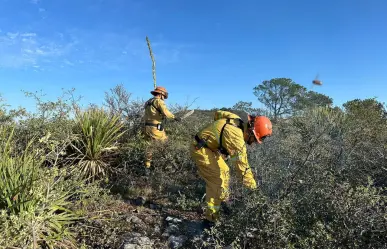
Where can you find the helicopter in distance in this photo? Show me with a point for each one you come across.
(316, 81)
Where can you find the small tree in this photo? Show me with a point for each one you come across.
(279, 95)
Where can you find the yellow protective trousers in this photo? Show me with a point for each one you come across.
(215, 172)
(153, 137)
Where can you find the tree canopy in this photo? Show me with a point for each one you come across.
(282, 97)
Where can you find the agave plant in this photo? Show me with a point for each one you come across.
(98, 133)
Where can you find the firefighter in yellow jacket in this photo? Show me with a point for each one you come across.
(155, 114)
(226, 137)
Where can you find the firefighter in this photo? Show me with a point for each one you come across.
(226, 137)
(155, 114)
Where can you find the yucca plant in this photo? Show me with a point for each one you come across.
(33, 206)
(97, 139)
(18, 175)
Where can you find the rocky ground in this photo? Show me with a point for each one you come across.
(140, 223)
(159, 227)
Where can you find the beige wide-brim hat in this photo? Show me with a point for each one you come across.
(160, 90)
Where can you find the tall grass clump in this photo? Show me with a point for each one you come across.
(97, 134)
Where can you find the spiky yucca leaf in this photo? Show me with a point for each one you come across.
(98, 133)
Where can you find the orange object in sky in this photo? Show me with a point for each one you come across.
(316, 81)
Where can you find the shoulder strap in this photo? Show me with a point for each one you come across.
(150, 102)
(240, 126)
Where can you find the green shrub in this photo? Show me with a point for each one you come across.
(334, 216)
(34, 205)
(365, 152)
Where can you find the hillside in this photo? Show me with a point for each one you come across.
(80, 182)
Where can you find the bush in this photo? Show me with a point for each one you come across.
(365, 152)
(34, 204)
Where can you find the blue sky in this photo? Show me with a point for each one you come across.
(216, 51)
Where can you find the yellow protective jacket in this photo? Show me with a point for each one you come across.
(232, 141)
(156, 110)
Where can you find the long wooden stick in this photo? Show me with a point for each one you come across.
(153, 62)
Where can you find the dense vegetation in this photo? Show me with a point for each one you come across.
(72, 177)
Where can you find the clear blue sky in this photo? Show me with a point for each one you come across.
(216, 51)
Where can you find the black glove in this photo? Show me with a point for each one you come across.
(178, 119)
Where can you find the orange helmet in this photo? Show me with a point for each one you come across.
(262, 128)
(160, 90)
